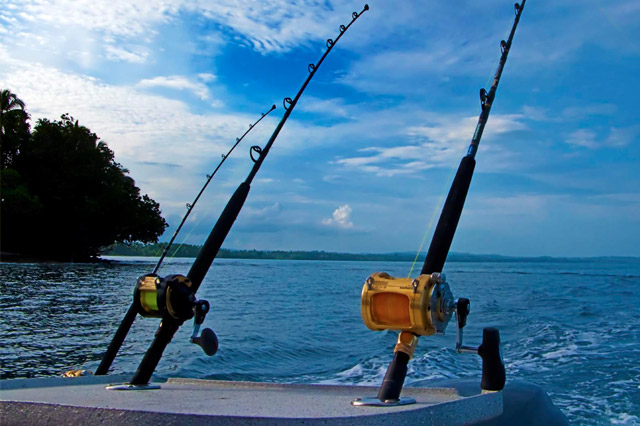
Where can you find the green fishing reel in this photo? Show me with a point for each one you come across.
(172, 298)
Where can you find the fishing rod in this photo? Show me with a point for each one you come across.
(172, 298)
(130, 316)
(424, 306)
(190, 206)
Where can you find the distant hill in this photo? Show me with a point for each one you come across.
(187, 250)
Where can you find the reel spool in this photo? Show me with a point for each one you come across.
(158, 297)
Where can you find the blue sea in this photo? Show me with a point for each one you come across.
(571, 327)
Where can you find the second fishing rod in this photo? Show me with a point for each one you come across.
(384, 298)
(176, 293)
(132, 312)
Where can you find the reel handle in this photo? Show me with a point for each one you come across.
(207, 340)
(493, 372)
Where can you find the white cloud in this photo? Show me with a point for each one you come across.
(116, 17)
(582, 137)
(138, 56)
(434, 145)
(206, 77)
(399, 70)
(617, 137)
(341, 218)
(589, 110)
(264, 180)
(265, 212)
(621, 137)
(276, 25)
(177, 82)
(520, 205)
(331, 107)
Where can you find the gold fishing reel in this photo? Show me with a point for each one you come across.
(159, 297)
(421, 306)
(172, 298)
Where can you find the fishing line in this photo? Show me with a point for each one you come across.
(434, 214)
(427, 232)
(192, 229)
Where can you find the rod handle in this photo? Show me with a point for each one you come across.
(493, 372)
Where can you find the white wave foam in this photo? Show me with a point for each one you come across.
(562, 354)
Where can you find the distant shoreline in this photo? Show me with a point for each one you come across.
(192, 251)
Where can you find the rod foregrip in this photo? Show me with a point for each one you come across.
(493, 372)
(210, 249)
(448, 222)
(394, 378)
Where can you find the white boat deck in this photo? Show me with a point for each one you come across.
(85, 400)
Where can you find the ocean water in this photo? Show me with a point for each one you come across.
(572, 328)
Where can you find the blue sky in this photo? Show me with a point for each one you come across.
(366, 159)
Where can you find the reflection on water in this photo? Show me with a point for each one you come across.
(571, 328)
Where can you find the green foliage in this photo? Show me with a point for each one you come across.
(14, 127)
(65, 197)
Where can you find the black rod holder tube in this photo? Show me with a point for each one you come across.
(394, 378)
(449, 217)
(216, 238)
(164, 334)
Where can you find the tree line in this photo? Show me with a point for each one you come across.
(189, 250)
(64, 197)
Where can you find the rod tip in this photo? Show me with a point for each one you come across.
(366, 7)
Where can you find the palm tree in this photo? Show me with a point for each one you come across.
(14, 128)
(10, 105)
